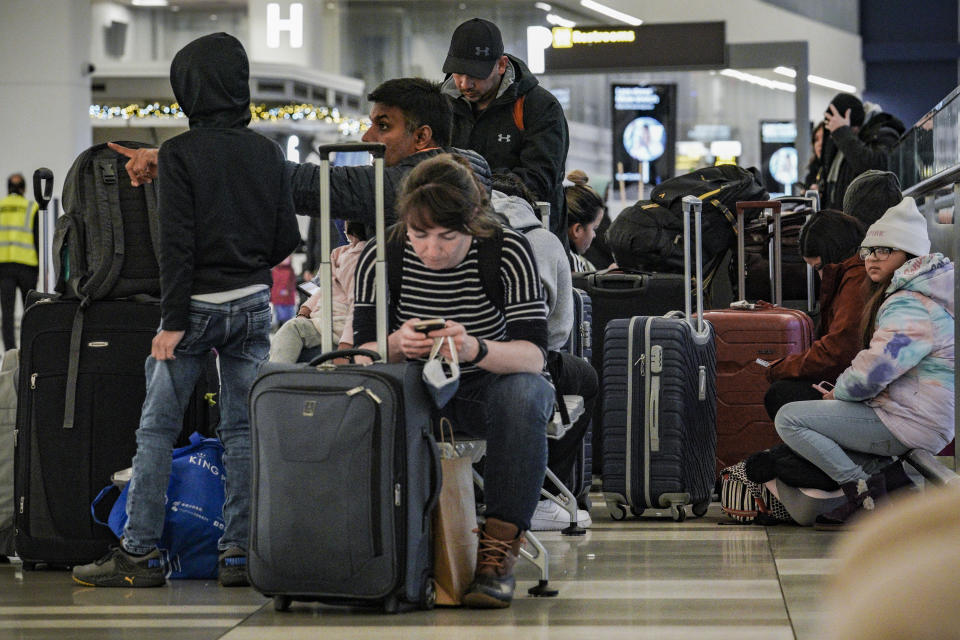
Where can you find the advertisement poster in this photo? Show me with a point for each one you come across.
(644, 133)
(778, 156)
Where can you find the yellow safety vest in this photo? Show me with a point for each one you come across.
(17, 215)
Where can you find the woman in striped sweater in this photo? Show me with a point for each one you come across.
(502, 395)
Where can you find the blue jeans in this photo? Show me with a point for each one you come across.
(511, 412)
(240, 332)
(820, 430)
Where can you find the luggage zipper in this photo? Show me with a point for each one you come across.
(375, 464)
(650, 438)
(33, 381)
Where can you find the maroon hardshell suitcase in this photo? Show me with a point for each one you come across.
(744, 334)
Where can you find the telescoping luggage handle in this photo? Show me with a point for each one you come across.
(695, 203)
(42, 193)
(777, 283)
(377, 150)
(810, 198)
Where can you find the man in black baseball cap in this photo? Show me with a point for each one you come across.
(501, 111)
(476, 47)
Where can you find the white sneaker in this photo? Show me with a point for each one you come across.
(550, 516)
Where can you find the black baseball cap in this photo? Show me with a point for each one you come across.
(475, 47)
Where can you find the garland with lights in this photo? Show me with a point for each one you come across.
(258, 113)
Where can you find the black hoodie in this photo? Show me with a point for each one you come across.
(226, 213)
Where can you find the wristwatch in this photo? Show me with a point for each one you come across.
(482, 351)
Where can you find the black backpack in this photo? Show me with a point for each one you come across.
(649, 234)
(106, 243)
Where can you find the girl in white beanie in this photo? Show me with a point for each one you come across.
(898, 393)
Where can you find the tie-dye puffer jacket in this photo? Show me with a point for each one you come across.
(906, 374)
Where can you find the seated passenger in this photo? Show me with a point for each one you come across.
(898, 393)
(584, 213)
(303, 331)
(571, 375)
(828, 243)
(502, 394)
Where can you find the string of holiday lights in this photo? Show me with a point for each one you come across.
(258, 113)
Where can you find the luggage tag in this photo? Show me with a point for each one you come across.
(441, 387)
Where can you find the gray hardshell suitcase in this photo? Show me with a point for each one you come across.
(659, 406)
(345, 468)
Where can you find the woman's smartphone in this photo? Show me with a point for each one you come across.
(426, 326)
(824, 387)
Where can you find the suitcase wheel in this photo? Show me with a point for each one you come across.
(428, 593)
(678, 512)
(701, 508)
(391, 604)
(617, 512)
(281, 603)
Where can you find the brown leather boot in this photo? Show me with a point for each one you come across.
(493, 583)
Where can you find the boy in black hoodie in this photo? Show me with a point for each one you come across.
(226, 218)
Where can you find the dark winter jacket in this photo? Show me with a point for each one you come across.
(352, 195)
(226, 216)
(841, 303)
(867, 149)
(537, 154)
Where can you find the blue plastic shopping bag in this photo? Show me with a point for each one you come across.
(194, 521)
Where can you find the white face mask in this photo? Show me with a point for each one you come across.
(440, 386)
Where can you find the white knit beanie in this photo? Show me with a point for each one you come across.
(901, 227)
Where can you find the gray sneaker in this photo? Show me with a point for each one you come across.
(232, 568)
(120, 569)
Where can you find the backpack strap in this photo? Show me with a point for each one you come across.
(518, 112)
(108, 230)
(490, 252)
(73, 366)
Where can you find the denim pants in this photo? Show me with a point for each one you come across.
(240, 332)
(511, 412)
(820, 430)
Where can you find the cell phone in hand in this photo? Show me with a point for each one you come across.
(307, 288)
(426, 326)
(824, 387)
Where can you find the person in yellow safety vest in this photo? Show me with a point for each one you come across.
(18, 252)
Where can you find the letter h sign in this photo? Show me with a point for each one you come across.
(293, 25)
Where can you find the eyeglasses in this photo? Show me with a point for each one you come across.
(880, 253)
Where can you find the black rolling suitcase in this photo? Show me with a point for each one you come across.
(345, 471)
(659, 407)
(60, 469)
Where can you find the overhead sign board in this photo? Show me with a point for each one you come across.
(610, 49)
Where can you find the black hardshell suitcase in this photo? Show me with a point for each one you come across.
(659, 408)
(580, 345)
(623, 295)
(60, 470)
(345, 472)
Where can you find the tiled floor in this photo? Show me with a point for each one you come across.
(640, 578)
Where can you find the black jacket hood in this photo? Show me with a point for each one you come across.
(211, 81)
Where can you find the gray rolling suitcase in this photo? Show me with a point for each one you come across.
(659, 405)
(345, 467)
